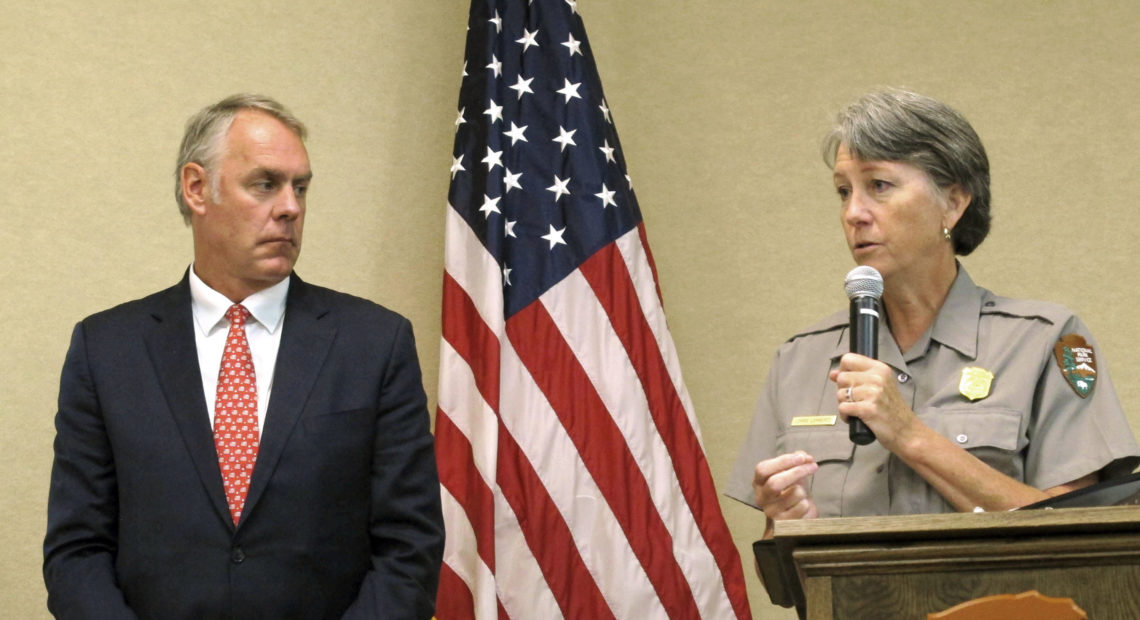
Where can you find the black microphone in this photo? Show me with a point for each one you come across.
(864, 287)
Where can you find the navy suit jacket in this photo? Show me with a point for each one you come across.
(343, 513)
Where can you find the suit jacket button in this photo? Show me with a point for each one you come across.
(237, 556)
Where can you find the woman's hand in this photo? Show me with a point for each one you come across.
(866, 389)
(779, 485)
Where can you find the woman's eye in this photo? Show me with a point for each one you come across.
(880, 185)
(843, 192)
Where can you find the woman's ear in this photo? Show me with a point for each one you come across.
(957, 199)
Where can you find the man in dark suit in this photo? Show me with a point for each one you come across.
(243, 444)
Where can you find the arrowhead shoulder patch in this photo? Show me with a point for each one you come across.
(1077, 362)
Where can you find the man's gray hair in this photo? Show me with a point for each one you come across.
(206, 131)
(902, 126)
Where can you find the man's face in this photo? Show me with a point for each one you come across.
(247, 213)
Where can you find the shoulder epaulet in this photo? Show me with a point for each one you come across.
(1047, 311)
(836, 321)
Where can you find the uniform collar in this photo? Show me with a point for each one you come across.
(956, 325)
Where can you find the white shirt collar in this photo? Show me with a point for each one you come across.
(267, 306)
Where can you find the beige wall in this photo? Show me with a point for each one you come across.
(720, 106)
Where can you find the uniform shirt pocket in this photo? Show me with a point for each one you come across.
(833, 452)
(993, 435)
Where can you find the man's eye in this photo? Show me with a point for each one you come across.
(301, 190)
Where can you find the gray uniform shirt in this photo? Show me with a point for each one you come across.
(1031, 425)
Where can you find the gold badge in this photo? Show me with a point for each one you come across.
(814, 420)
(1078, 363)
(975, 383)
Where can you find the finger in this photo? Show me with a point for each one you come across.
(855, 362)
(801, 508)
(782, 483)
(768, 468)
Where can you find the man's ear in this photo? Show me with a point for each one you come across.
(195, 187)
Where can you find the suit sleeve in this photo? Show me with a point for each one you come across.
(407, 522)
(82, 533)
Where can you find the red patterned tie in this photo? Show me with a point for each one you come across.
(235, 413)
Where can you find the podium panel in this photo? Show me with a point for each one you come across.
(909, 566)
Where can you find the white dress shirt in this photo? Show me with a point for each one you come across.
(262, 331)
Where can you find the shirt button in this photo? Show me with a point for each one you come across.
(237, 556)
(879, 469)
(961, 438)
(903, 377)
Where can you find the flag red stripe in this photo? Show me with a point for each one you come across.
(609, 278)
(604, 452)
(465, 331)
(454, 601)
(652, 264)
(547, 534)
(459, 475)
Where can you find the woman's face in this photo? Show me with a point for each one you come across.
(892, 215)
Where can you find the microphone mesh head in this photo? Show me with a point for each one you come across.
(863, 281)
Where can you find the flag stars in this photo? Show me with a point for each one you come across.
(490, 205)
(516, 133)
(559, 188)
(565, 138)
(496, 66)
(493, 158)
(528, 39)
(509, 228)
(511, 181)
(457, 166)
(573, 6)
(459, 120)
(570, 91)
(554, 237)
(605, 111)
(494, 111)
(498, 21)
(574, 45)
(607, 196)
(506, 275)
(522, 86)
(608, 151)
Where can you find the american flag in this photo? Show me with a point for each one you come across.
(573, 478)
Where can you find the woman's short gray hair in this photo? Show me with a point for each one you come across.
(205, 132)
(898, 125)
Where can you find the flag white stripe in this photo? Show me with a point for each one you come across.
(526, 595)
(461, 554)
(460, 399)
(637, 262)
(596, 532)
(469, 263)
(586, 328)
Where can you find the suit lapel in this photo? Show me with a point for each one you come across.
(305, 343)
(175, 356)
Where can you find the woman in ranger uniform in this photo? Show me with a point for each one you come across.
(976, 400)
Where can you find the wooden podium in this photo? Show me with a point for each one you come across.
(905, 567)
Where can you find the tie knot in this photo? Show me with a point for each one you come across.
(237, 314)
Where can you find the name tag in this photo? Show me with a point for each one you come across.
(814, 420)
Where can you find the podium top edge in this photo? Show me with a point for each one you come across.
(961, 525)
